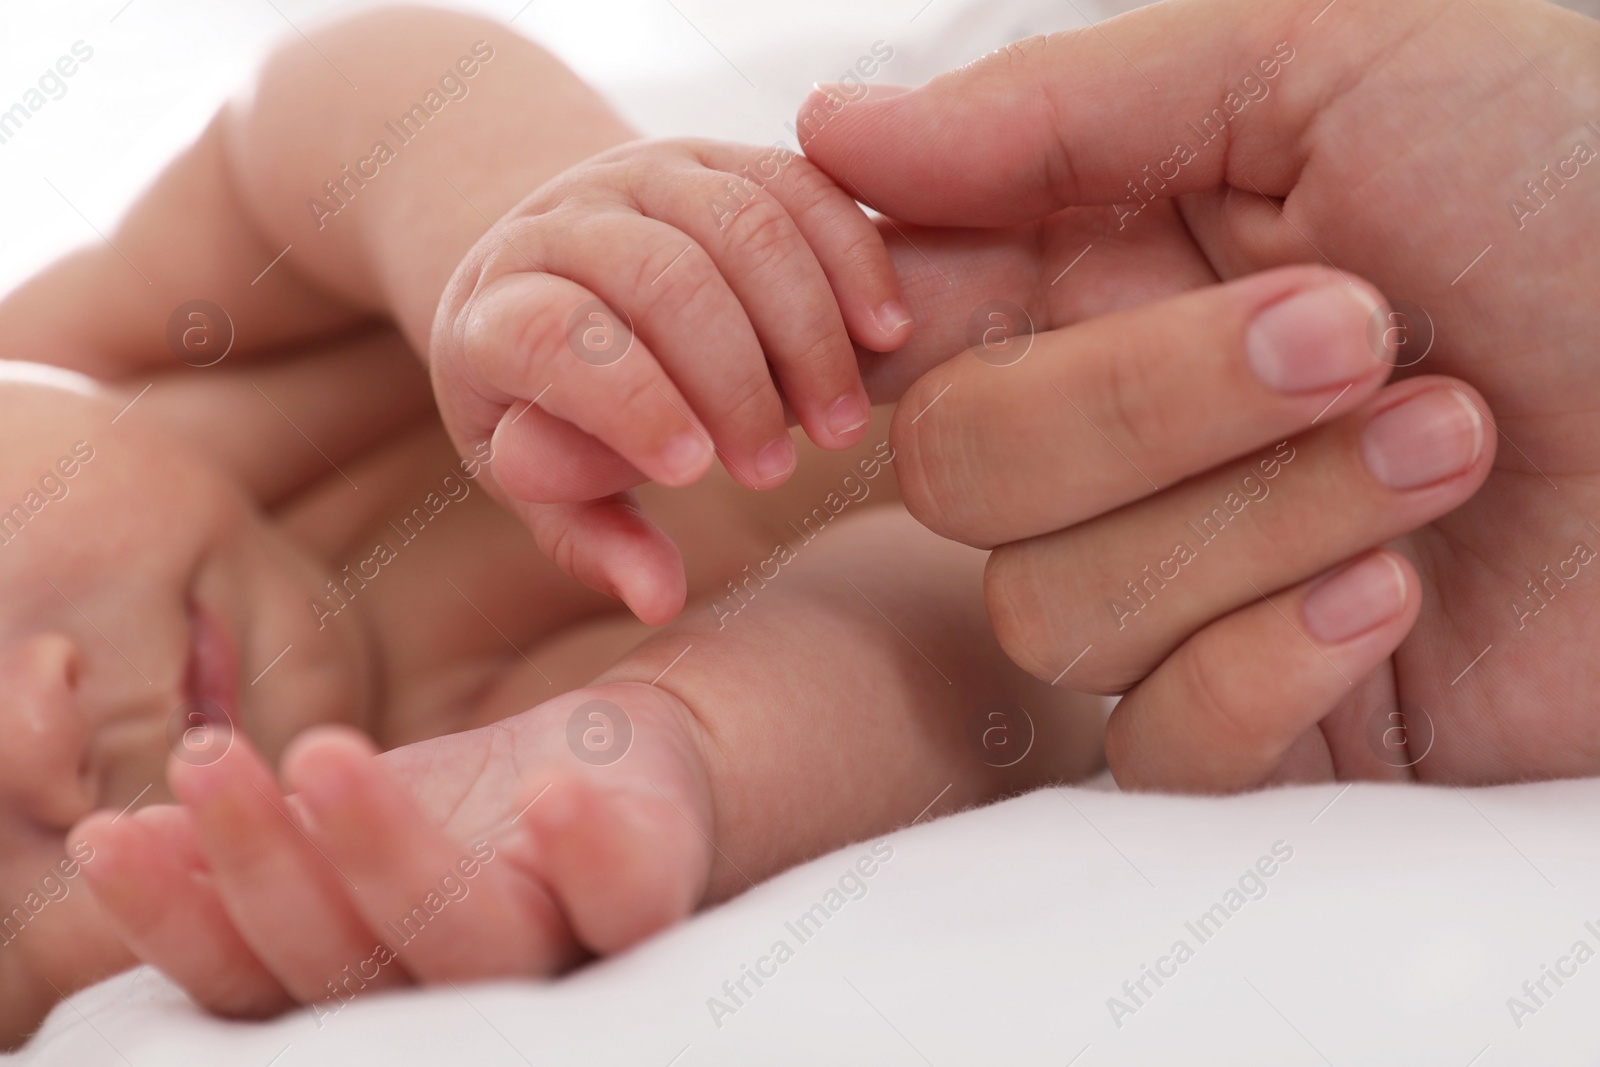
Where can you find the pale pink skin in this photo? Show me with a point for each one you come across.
(770, 784)
(1394, 144)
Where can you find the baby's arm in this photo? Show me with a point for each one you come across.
(214, 220)
(849, 694)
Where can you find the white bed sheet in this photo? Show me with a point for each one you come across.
(1394, 934)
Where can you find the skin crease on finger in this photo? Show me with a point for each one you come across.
(1415, 144)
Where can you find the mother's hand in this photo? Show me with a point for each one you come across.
(1450, 153)
(1189, 499)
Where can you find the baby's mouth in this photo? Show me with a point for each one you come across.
(212, 677)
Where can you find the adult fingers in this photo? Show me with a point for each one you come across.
(1073, 266)
(1222, 711)
(1122, 406)
(1104, 114)
(1111, 598)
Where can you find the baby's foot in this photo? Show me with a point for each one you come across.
(579, 826)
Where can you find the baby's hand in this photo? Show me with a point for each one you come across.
(482, 854)
(640, 311)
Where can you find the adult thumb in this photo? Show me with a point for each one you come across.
(1147, 105)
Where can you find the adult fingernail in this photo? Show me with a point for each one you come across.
(686, 456)
(1311, 340)
(846, 414)
(892, 317)
(1361, 596)
(775, 460)
(1428, 438)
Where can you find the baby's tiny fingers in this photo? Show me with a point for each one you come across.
(530, 338)
(612, 547)
(767, 251)
(847, 243)
(289, 903)
(1223, 710)
(144, 878)
(683, 304)
(445, 911)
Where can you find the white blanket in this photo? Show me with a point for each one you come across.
(1397, 925)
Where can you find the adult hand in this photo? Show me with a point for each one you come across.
(1451, 154)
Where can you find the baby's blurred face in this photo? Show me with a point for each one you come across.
(142, 601)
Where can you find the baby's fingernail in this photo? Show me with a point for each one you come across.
(686, 456)
(775, 460)
(892, 317)
(1355, 600)
(1312, 340)
(1428, 438)
(847, 413)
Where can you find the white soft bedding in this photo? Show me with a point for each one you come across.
(1395, 931)
(1397, 924)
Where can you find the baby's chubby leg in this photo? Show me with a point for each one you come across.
(847, 693)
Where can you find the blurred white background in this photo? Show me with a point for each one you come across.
(160, 68)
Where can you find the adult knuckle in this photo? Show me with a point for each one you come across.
(933, 476)
(1213, 698)
(1131, 403)
(1019, 609)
